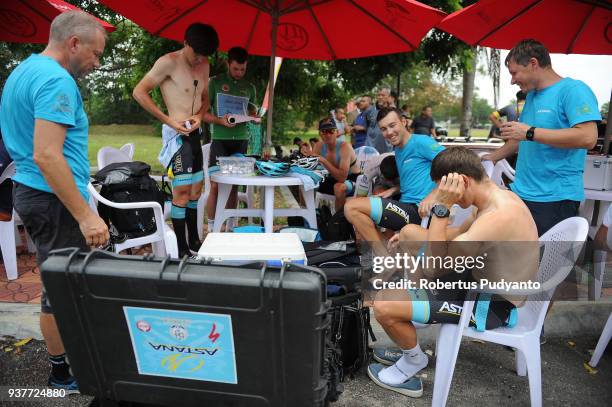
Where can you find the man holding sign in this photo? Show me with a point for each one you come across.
(229, 95)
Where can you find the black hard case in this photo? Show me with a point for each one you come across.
(279, 319)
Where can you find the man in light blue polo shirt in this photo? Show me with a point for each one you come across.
(556, 127)
(413, 156)
(45, 130)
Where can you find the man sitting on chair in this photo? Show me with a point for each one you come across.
(413, 155)
(500, 216)
(338, 157)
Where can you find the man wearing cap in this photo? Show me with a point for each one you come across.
(338, 157)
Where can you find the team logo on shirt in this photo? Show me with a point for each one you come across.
(62, 104)
(225, 87)
(584, 109)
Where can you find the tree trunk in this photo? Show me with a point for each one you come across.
(469, 74)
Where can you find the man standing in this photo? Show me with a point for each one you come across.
(226, 90)
(511, 112)
(341, 123)
(359, 127)
(45, 130)
(413, 154)
(424, 124)
(182, 77)
(557, 125)
(374, 136)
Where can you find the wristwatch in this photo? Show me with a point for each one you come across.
(440, 211)
(530, 134)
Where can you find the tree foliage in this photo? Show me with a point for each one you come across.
(305, 90)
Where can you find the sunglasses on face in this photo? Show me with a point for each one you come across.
(327, 131)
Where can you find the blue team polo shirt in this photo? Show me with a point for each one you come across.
(413, 163)
(545, 173)
(40, 88)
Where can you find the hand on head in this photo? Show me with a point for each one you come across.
(450, 189)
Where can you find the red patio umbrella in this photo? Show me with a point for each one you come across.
(303, 29)
(564, 26)
(29, 20)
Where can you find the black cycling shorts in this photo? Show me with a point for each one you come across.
(392, 214)
(188, 164)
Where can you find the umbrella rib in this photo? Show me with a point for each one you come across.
(259, 6)
(295, 8)
(180, 16)
(28, 5)
(325, 38)
(252, 32)
(597, 3)
(580, 30)
(381, 23)
(509, 21)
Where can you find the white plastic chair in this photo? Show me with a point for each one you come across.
(246, 197)
(560, 253)
(128, 149)
(602, 343)
(487, 165)
(163, 239)
(108, 155)
(7, 233)
(502, 167)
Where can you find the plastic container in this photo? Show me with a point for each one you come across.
(181, 333)
(244, 248)
(237, 165)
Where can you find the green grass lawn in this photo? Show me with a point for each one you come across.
(148, 141)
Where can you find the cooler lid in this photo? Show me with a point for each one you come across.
(252, 246)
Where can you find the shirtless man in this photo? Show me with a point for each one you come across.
(499, 216)
(182, 77)
(338, 157)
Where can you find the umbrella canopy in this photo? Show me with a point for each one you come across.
(315, 29)
(30, 20)
(563, 26)
(301, 29)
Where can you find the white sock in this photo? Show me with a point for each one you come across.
(407, 366)
(211, 225)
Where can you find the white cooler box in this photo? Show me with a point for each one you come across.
(598, 172)
(243, 248)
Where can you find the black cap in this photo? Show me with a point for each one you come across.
(327, 124)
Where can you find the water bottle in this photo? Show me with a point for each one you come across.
(362, 185)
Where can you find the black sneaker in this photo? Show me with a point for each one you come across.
(70, 384)
(195, 246)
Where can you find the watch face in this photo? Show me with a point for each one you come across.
(440, 211)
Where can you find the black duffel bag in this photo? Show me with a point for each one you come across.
(128, 182)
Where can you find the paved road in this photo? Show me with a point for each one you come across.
(484, 376)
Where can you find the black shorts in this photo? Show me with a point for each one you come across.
(430, 306)
(188, 164)
(327, 186)
(393, 215)
(548, 214)
(50, 226)
(225, 148)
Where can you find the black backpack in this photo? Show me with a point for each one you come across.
(129, 182)
(349, 332)
(334, 227)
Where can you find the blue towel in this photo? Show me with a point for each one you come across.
(309, 178)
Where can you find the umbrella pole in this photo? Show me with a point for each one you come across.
(606, 146)
(271, 83)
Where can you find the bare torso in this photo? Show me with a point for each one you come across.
(182, 98)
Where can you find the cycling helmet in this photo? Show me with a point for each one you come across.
(308, 163)
(272, 169)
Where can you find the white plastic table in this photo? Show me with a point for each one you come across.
(267, 212)
(592, 206)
